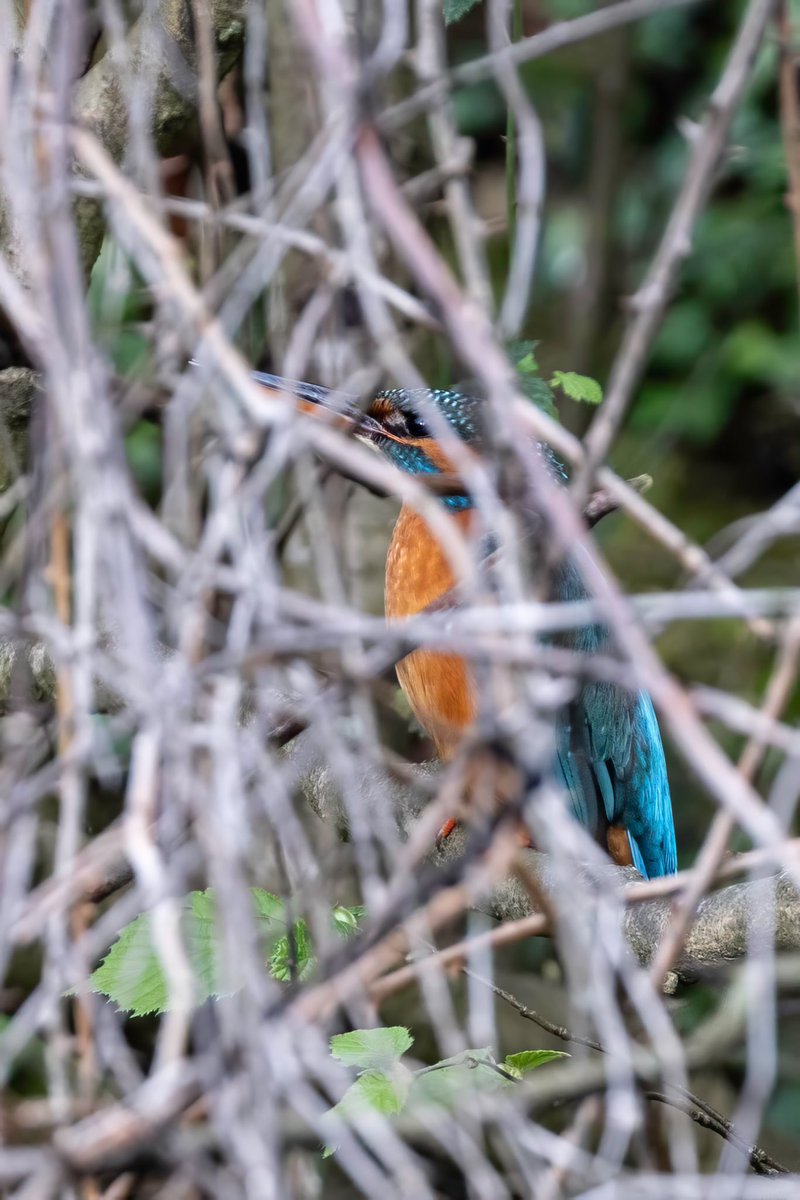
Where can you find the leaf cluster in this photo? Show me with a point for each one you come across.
(386, 1085)
(133, 977)
(540, 392)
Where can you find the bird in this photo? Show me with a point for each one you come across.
(608, 756)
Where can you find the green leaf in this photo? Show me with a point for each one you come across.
(528, 1060)
(346, 920)
(131, 975)
(384, 1092)
(454, 10)
(268, 907)
(537, 390)
(292, 958)
(372, 1049)
(522, 355)
(387, 1086)
(578, 387)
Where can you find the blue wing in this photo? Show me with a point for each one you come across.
(611, 760)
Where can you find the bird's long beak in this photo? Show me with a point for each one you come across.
(344, 408)
(312, 397)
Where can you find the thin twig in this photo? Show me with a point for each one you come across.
(685, 1101)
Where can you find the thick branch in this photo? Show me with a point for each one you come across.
(719, 934)
(724, 921)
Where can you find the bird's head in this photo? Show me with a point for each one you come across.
(401, 423)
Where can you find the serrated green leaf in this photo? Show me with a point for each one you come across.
(578, 387)
(528, 1060)
(454, 10)
(292, 958)
(131, 974)
(268, 907)
(372, 1049)
(391, 1088)
(383, 1092)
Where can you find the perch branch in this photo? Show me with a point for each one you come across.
(717, 937)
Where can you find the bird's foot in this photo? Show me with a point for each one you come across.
(445, 831)
(522, 835)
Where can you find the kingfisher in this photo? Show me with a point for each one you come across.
(609, 756)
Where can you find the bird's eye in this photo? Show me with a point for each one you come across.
(416, 426)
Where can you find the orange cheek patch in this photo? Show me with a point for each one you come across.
(440, 460)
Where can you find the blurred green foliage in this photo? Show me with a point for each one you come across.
(454, 10)
(730, 343)
(28, 1074)
(120, 307)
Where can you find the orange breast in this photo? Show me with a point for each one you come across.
(439, 687)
